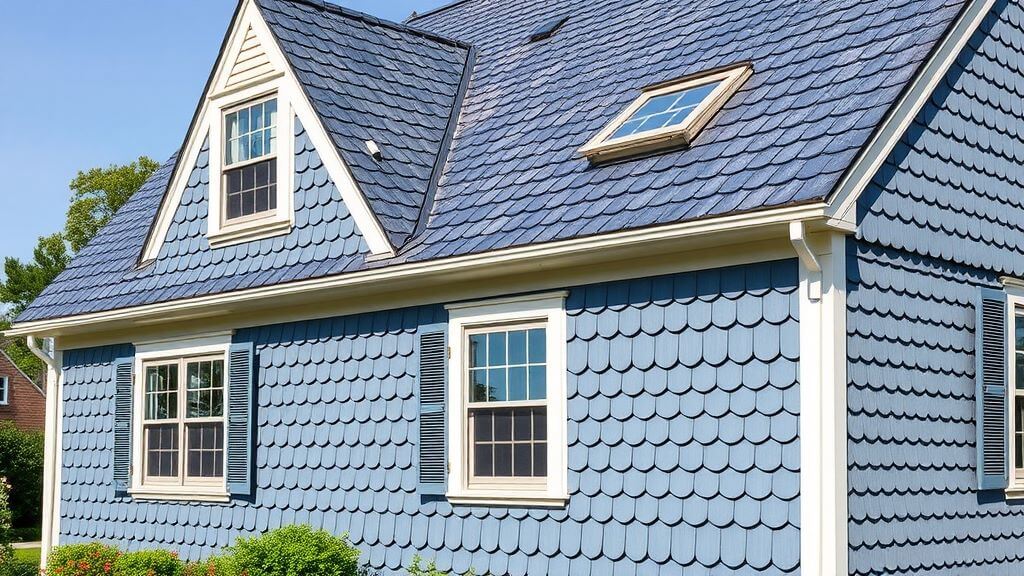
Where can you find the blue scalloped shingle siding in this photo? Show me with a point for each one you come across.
(683, 409)
(324, 240)
(943, 216)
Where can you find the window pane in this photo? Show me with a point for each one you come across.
(538, 345)
(665, 110)
(478, 385)
(522, 425)
(522, 459)
(483, 460)
(502, 459)
(538, 382)
(496, 349)
(540, 424)
(503, 425)
(656, 105)
(477, 350)
(517, 383)
(483, 423)
(206, 383)
(496, 386)
(161, 392)
(540, 459)
(517, 347)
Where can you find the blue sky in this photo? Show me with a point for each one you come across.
(101, 82)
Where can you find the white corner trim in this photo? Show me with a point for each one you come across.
(53, 442)
(843, 204)
(550, 309)
(823, 434)
(208, 124)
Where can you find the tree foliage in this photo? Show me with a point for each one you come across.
(96, 195)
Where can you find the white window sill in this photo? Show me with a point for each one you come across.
(1014, 493)
(506, 498)
(177, 494)
(248, 231)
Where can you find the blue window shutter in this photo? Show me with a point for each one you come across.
(991, 356)
(433, 379)
(123, 423)
(241, 372)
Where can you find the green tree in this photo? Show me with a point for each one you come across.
(97, 194)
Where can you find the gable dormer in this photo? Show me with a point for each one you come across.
(380, 141)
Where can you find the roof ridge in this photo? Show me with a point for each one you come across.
(373, 20)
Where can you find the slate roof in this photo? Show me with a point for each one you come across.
(369, 79)
(825, 75)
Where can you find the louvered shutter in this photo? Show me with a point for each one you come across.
(991, 356)
(433, 377)
(240, 418)
(123, 423)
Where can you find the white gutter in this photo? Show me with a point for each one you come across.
(51, 454)
(798, 237)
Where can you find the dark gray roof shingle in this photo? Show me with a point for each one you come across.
(825, 75)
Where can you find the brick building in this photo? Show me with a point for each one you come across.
(20, 399)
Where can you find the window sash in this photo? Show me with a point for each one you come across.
(269, 154)
(182, 423)
(469, 406)
(4, 391)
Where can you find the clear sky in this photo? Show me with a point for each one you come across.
(97, 82)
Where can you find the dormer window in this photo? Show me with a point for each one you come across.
(252, 151)
(250, 166)
(666, 115)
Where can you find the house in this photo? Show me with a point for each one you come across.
(21, 401)
(568, 288)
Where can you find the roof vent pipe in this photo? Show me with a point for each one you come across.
(374, 150)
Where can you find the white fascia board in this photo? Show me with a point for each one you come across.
(208, 122)
(841, 210)
(638, 242)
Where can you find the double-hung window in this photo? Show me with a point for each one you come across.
(183, 424)
(250, 164)
(5, 391)
(180, 399)
(507, 396)
(1016, 373)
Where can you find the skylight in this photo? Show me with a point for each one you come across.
(666, 115)
(547, 28)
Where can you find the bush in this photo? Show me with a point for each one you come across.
(148, 563)
(81, 560)
(416, 568)
(6, 553)
(21, 461)
(296, 551)
(216, 566)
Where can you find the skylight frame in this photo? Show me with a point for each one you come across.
(603, 148)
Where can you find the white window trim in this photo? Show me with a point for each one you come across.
(220, 231)
(600, 148)
(550, 309)
(5, 387)
(212, 345)
(1014, 302)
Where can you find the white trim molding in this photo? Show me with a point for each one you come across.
(200, 347)
(225, 92)
(546, 309)
(1014, 289)
(823, 435)
(5, 391)
(844, 201)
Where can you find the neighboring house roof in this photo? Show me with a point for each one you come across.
(825, 75)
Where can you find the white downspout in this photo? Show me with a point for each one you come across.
(51, 455)
(798, 237)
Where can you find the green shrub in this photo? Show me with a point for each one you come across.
(216, 566)
(6, 553)
(417, 568)
(21, 462)
(296, 551)
(81, 560)
(148, 563)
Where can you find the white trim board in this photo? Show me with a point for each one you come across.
(208, 120)
(551, 257)
(843, 203)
